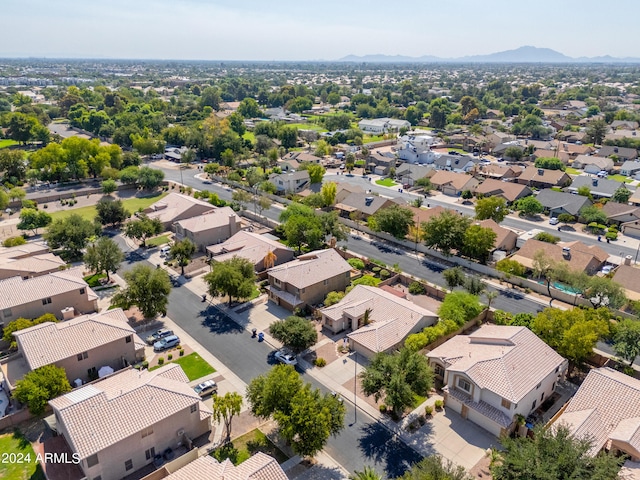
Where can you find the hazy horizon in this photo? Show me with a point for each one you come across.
(292, 30)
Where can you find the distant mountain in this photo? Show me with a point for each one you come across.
(526, 54)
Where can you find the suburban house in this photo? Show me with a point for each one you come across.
(409, 174)
(301, 157)
(367, 205)
(501, 149)
(499, 172)
(634, 199)
(118, 424)
(630, 229)
(257, 467)
(606, 410)
(379, 320)
(307, 279)
(627, 276)
(423, 215)
(345, 189)
(496, 138)
(382, 125)
(623, 154)
(293, 182)
(627, 124)
(618, 213)
(82, 345)
(62, 293)
(381, 163)
(599, 187)
(451, 183)
(543, 178)
(580, 257)
(630, 168)
(253, 247)
(21, 251)
(458, 164)
(505, 239)
(209, 228)
(556, 203)
(497, 373)
(174, 153)
(414, 148)
(31, 266)
(175, 207)
(592, 164)
(508, 190)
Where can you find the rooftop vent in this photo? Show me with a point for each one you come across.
(368, 201)
(540, 171)
(594, 182)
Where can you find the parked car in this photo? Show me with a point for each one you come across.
(158, 335)
(606, 270)
(285, 356)
(205, 388)
(553, 221)
(166, 343)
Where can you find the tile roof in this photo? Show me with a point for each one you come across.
(258, 467)
(219, 217)
(444, 178)
(581, 255)
(47, 262)
(508, 361)
(108, 411)
(16, 291)
(551, 177)
(311, 268)
(627, 276)
(552, 200)
(49, 342)
(26, 250)
(624, 152)
(511, 191)
(615, 209)
(422, 215)
(606, 406)
(174, 205)
(249, 245)
(358, 201)
(597, 186)
(499, 171)
(502, 234)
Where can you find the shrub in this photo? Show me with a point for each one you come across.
(181, 353)
(611, 236)
(547, 237)
(161, 361)
(384, 274)
(416, 288)
(428, 410)
(376, 269)
(320, 362)
(356, 263)
(145, 364)
(383, 408)
(45, 206)
(439, 404)
(14, 242)
(170, 357)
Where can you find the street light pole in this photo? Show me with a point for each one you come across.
(355, 388)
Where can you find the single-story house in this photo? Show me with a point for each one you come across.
(505, 239)
(627, 276)
(308, 279)
(175, 207)
(634, 199)
(379, 320)
(579, 257)
(630, 168)
(510, 191)
(543, 178)
(293, 182)
(624, 154)
(599, 187)
(592, 164)
(367, 205)
(346, 189)
(382, 125)
(621, 212)
(117, 425)
(496, 138)
(409, 174)
(499, 172)
(630, 229)
(451, 183)
(22, 251)
(606, 410)
(497, 373)
(424, 214)
(458, 164)
(556, 203)
(626, 124)
(209, 228)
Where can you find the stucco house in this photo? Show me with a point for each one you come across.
(117, 425)
(505, 239)
(543, 178)
(451, 183)
(592, 164)
(627, 276)
(497, 373)
(556, 203)
(308, 279)
(599, 187)
(209, 228)
(367, 205)
(630, 168)
(292, 182)
(31, 266)
(624, 154)
(175, 207)
(579, 256)
(508, 190)
(382, 125)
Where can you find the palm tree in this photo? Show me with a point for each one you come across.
(491, 296)
(366, 319)
(269, 259)
(367, 474)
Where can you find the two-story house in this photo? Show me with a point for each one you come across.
(209, 228)
(308, 279)
(497, 373)
(293, 182)
(118, 424)
(175, 207)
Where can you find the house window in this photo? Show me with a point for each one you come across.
(147, 431)
(506, 403)
(533, 406)
(557, 369)
(82, 356)
(464, 385)
(150, 453)
(542, 397)
(128, 339)
(194, 407)
(276, 281)
(82, 290)
(6, 313)
(92, 460)
(325, 282)
(538, 386)
(439, 370)
(46, 301)
(128, 465)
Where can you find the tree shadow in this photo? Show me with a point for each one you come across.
(388, 451)
(218, 322)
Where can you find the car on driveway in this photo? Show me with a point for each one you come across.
(553, 221)
(166, 343)
(286, 357)
(158, 335)
(208, 387)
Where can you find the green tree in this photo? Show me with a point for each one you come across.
(367, 473)
(550, 163)
(225, 408)
(111, 212)
(453, 277)
(143, 228)
(234, 277)
(148, 288)
(71, 233)
(328, 193)
(150, 178)
(333, 298)
(459, 307)
(425, 183)
(316, 172)
(596, 131)
(41, 385)
(104, 256)
(22, 323)
(585, 191)
(4, 200)
(273, 391)
(553, 453)
(129, 175)
(288, 136)
(474, 285)
(529, 206)
(494, 208)
(593, 214)
(397, 377)
(547, 238)
(31, 219)
(516, 153)
(302, 230)
(626, 340)
(16, 193)
(412, 115)
(242, 197)
(394, 220)
(602, 291)
(109, 186)
(249, 108)
(294, 332)
(479, 242)
(445, 232)
(182, 251)
(621, 195)
(565, 218)
(263, 203)
(20, 127)
(12, 163)
(434, 467)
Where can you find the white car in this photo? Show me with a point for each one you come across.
(553, 221)
(286, 357)
(606, 270)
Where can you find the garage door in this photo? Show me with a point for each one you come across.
(484, 422)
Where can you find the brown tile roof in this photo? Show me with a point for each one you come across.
(581, 255)
(551, 177)
(175, 204)
(628, 277)
(508, 361)
(510, 191)
(358, 201)
(615, 209)
(606, 406)
(34, 264)
(422, 215)
(219, 217)
(258, 467)
(311, 268)
(108, 411)
(16, 291)
(249, 245)
(49, 342)
(444, 178)
(499, 171)
(502, 234)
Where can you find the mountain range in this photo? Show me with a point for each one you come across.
(526, 54)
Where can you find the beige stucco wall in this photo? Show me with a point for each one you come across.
(35, 309)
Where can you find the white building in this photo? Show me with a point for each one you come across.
(382, 125)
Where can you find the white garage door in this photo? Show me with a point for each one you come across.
(484, 422)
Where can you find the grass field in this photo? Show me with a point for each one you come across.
(94, 280)
(308, 126)
(7, 143)
(386, 182)
(620, 178)
(157, 241)
(131, 204)
(247, 445)
(25, 464)
(573, 171)
(193, 365)
(372, 138)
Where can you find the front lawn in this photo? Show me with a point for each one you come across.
(372, 138)
(620, 178)
(386, 182)
(157, 241)
(247, 445)
(137, 203)
(7, 143)
(24, 465)
(94, 280)
(193, 365)
(573, 171)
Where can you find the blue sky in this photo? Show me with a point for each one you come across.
(312, 30)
